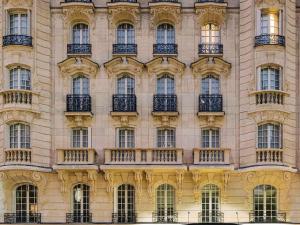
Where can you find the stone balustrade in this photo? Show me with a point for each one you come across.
(211, 156)
(76, 156)
(269, 156)
(18, 156)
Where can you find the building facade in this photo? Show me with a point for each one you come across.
(132, 111)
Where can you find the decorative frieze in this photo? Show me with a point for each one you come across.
(122, 65)
(210, 12)
(211, 65)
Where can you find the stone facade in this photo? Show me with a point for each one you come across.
(55, 167)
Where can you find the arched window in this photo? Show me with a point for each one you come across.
(166, 138)
(165, 34)
(165, 203)
(210, 34)
(210, 85)
(125, 204)
(165, 85)
(211, 204)
(265, 203)
(81, 203)
(269, 135)
(269, 78)
(126, 85)
(80, 34)
(20, 78)
(81, 85)
(19, 135)
(125, 34)
(27, 204)
(210, 138)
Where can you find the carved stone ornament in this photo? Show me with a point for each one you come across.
(13, 114)
(179, 182)
(210, 65)
(78, 65)
(270, 3)
(11, 4)
(122, 65)
(150, 181)
(138, 177)
(123, 11)
(165, 11)
(210, 13)
(165, 119)
(162, 65)
(79, 119)
(109, 178)
(211, 119)
(269, 115)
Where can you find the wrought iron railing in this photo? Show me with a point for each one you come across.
(125, 49)
(79, 49)
(15, 39)
(165, 217)
(211, 217)
(78, 217)
(269, 39)
(270, 217)
(210, 49)
(21, 217)
(124, 217)
(214, 1)
(124, 103)
(165, 49)
(82, 1)
(165, 103)
(79, 103)
(175, 1)
(131, 1)
(210, 103)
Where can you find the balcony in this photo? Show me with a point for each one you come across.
(171, 1)
(125, 49)
(124, 103)
(15, 39)
(17, 156)
(129, 1)
(210, 50)
(260, 217)
(12, 218)
(211, 217)
(269, 156)
(270, 97)
(165, 50)
(162, 217)
(76, 156)
(79, 49)
(269, 39)
(79, 218)
(210, 103)
(79, 103)
(139, 156)
(124, 218)
(211, 156)
(210, 1)
(164, 103)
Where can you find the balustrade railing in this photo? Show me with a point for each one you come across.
(269, 217)
(210, 49)
(213, 1)
(164, 103)
(79, 49)
(22, 217)
(269, 39)
(210, 103)
(211, 217)
(79, 218)
(15, 39)
(18, 156)
(124, 103)
(76, 156)
(165, 217)
(79, 103)
(124, 217)
(165, 49)
(18, 96)
(80, 1)
(211, 156)
(269, 155)
(269, 97)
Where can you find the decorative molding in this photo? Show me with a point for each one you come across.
(210, 13)
(211, 119)
(165, 119)
(122, 65)
(269, 115)
(109, 178)
(123, 11)
(15, 114)
(150, 181)
(169, 65)
(11, 4)
(79, 119)
(124, 119)
(270, 3)
(210, 65)
(138, 177)
(78, 65)
(63, 176)
(179, 179)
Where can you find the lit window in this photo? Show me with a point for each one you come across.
(269, 22)
(210, 34)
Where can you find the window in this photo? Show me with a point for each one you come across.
(165, 34)
(210, 34)
(126, 204)
(81, 85)
(166, 138)
(125, 138)
(270, 136)
(81, 34)
(269, 22)
(81, 203)
(126, 85)
(165, 85)
(80, 138)
(210, 204)
(269, 78)
(19, 135)
(165, 203)
(125, 34)
(20, 78)
(210, 85)
(19, 24)
(210, 138)
(265, 203)
(26, 203)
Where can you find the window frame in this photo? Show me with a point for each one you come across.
(81, 30)
(81, 137)
(128, 81)
(16, 74)
(127, 137)
(16, 139)
(211, 89)
(84, 204)
(260, 145)
(126, 213)
(164, 34)
(216, 39)
(8, 23)
(210, 215)
(82, 90)
(128, 33)
(168, 136)
(270, 67)
(165, 201)
(168, 85)
(210, 137)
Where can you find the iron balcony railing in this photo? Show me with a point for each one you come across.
(175, 1)
(125, 49)
(269, 39)
(124, 103)
(78, 217)
(131, 1)
(165, 49)
(165, 103)
(15, 39)
(270, 217)
(211, 217)
(82, 1)
(124, 217)
(79, 49)
(210, 49)
(21, 217)
(210, 103)
(214, 1)
(165, 217)
(79, 103)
